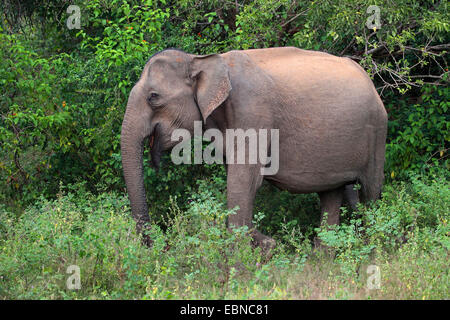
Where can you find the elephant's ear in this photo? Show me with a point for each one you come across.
(212, 83)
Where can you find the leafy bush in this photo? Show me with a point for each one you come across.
(196, 256)
(97, 234)
(419, 134)
(64, 100)
(415, 213)
(64, 96)
(34, 122)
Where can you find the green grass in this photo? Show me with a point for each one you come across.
(194, 256)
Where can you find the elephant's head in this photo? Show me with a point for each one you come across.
(174, 90)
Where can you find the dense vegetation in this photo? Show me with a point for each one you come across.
(62, 194)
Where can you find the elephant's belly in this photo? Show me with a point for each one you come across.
(308, 182)
(315, 167)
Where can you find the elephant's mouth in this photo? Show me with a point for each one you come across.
(151, 141)
(155, 144)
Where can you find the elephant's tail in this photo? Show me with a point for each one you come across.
(370, 190)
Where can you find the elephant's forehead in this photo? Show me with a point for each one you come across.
(161, 78)
(165, 68)
(159, 72)
(176, 59)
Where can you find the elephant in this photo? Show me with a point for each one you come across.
(332, 124)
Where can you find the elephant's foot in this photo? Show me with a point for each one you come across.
(144, 229)
(147, 241)
(266, 243)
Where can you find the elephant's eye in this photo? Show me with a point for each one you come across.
(152, 98)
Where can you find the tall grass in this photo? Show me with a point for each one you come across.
(406, 235)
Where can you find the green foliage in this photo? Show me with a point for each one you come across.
(71, 230)
(64, 100)
(278, 212)
(197, 257)
(123, 31)
(64, 94)
(33, 119)
(415, 213)
(419, 134)
(61, 116)
(98, 234)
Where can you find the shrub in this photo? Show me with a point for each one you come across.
(419, 134)
(415, 213)
(196, 256)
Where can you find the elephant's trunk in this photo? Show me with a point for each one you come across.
(132, 152)
(135, 128)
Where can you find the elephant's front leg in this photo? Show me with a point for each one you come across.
(242, 183)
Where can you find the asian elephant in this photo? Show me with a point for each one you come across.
(332, 123)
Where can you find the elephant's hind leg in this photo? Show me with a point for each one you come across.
(330, 204)
(351, 197)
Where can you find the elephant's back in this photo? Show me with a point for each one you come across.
(318, 82)
(290, 62)
(309, 70)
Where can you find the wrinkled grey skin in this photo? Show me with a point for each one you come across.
(332, 123)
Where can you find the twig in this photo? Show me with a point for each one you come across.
(295, 17)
